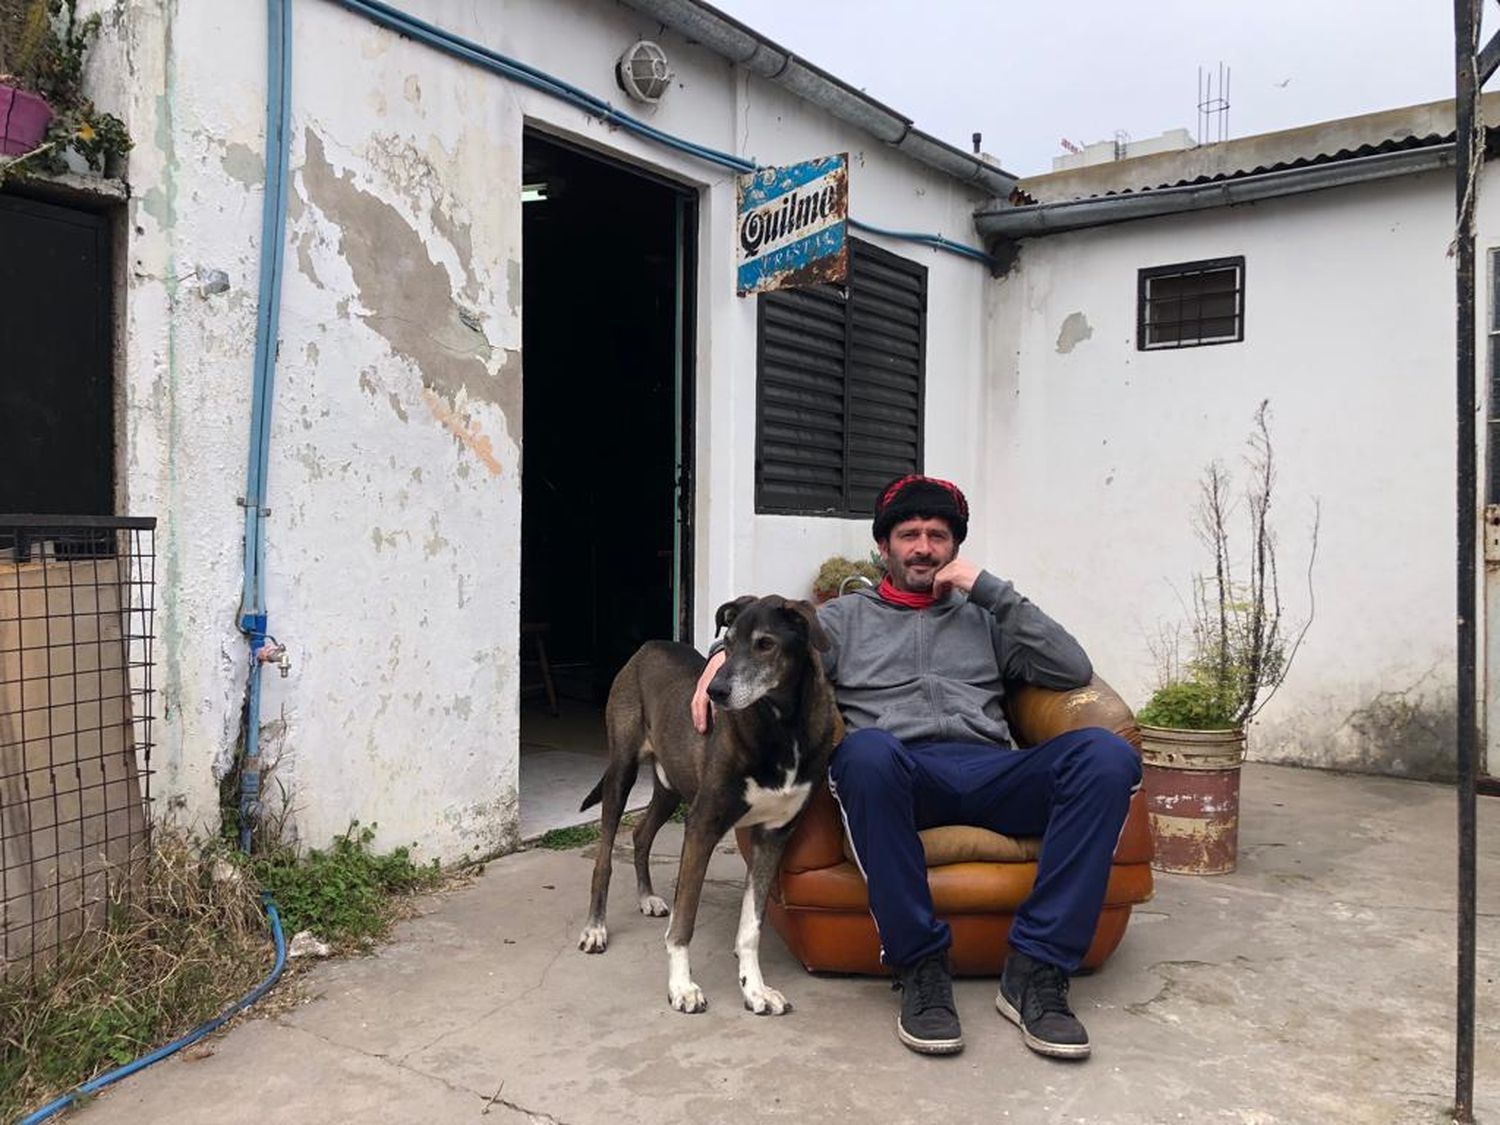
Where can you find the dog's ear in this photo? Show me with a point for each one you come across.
(815, 634)
(727, 612)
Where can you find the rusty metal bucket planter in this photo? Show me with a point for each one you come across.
(1192, 783)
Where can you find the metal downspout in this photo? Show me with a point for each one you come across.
(252, 616)
(1470, 156)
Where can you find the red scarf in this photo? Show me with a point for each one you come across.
(888, 592)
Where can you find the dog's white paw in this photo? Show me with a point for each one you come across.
(688, 999)
(654, 906)
(594, 939)
(767, 1002)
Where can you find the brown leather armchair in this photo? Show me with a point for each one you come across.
(978, 878)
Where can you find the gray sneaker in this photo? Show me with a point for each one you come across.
(1034, 996)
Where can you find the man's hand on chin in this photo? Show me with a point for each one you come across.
(960, 574)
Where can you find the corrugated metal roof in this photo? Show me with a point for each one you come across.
(1328, 142)
(1402, 145)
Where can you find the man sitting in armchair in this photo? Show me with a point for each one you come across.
(919, 667)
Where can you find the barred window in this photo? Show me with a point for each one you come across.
(839, 387)
(1193, 303)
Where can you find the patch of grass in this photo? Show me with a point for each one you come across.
(574, 836)
(577, 835)
(192, 939)
(347, 894)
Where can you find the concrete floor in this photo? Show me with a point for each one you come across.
(1313, 985)
(562, 757)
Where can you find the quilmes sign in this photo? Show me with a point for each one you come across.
(792, 225)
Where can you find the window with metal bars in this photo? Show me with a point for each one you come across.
(839, 387)
(1191, 304)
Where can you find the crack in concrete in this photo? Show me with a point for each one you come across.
(1170, 983)
(457, 1088)
(399, 1063)
(508, 1002)
(534, 1114)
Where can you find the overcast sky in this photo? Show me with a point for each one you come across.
(1028, 75)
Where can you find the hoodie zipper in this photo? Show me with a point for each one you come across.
(929, 681)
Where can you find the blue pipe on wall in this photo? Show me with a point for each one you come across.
(253, 615)
(393, 19)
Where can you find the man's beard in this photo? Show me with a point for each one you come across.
(903, 579)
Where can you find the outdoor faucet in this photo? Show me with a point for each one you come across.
(274, 652)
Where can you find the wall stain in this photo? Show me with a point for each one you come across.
(371, 387)
(304, 258)
(1075, 330)
(243, 163)
(411, 303)
(436, 543)
(1404, 734)
(513, 286)
(467, 430)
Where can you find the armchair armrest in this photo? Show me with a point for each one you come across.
(1037, 714)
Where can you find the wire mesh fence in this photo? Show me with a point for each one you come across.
(77, 599)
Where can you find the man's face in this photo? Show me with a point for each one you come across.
(916, 551)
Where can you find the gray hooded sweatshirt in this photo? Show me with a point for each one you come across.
(939, 674)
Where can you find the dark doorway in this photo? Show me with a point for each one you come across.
(606, 313)
(56, 360)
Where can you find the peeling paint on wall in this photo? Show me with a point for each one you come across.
(408, 299)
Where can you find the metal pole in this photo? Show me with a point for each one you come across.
(678, 480)
(1466, 92)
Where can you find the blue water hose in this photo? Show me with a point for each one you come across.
(94, 1085)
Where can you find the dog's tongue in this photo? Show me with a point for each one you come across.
(888, 592)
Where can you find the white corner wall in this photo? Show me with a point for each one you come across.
(1099, 449)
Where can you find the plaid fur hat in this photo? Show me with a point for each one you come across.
(918, 497)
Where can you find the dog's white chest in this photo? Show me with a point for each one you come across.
(774, 807)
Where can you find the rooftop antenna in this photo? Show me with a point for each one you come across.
(978, 140)
(1213, 105)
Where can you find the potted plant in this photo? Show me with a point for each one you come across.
(1242, 646)
(838, 574)
(43, 108)
(25, 42)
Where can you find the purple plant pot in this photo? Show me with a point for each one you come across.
(23, 120)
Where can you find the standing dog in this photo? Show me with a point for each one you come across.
(771, 739)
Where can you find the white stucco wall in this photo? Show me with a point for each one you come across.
(1099, 449)
(393, 547)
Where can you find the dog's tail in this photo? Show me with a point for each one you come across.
(596, 794)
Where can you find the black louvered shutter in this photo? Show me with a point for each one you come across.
(839, 387)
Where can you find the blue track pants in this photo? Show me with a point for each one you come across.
(1073, 791)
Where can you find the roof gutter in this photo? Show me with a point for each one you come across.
(1005, 224)
(725, 36)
